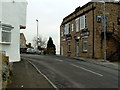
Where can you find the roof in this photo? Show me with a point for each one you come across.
(81, 8)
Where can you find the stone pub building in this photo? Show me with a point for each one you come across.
(82, 32)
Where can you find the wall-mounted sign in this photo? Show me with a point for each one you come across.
(99, 19)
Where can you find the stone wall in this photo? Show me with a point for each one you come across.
(4, 70)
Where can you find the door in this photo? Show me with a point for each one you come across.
(77, 48)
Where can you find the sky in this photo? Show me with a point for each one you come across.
(50, 14)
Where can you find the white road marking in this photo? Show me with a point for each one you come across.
(87, 70)
(42, 74)
(59, 60)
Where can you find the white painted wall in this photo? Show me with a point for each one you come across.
(13, 13)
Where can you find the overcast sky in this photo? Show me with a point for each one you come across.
(50, 14)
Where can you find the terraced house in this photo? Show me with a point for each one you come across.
(82, 32)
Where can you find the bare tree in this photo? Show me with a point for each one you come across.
(41, 42)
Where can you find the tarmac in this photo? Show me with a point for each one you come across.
(113, 65)
(25, 75)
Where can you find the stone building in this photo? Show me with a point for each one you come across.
(23, 47)
(82, 32)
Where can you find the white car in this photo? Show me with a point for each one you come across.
(30, 50)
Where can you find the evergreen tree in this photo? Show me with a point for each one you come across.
(51, 49)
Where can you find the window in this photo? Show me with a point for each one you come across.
(61, 33)
(72, 27)
(6, 33)
(69, 49)
(6, 36)
(77, 24)
(67, 28)
(83, 23)
(85, 44)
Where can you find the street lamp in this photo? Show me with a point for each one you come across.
(104, 23)
(37, 33)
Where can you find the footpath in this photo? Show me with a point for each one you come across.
(26, 76)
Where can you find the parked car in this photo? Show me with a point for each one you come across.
(38, 52)
(30, 51)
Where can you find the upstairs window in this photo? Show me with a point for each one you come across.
(83, 24)
(67, 28)
(72, 27)
(77, 24)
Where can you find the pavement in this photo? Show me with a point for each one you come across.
(26, 76)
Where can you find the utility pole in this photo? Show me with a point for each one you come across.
(37, 33)
(104, 26)
(104, 33)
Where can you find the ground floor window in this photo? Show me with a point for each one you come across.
(69, 46)
(5, 33)
(6, 36)
(85, 44)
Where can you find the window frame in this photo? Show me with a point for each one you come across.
(85, 42)
(77, 25)
(69, 46)
(83, 23)
(9, 37)
(67, 29)
(72, 27)
(5, 28)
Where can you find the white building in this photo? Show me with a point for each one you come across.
(12, 19)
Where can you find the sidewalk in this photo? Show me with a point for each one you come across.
(26, 76)
(108, 64)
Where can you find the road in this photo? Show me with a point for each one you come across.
(66, 72)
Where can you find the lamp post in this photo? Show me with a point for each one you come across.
(104, 23)
(37, 33)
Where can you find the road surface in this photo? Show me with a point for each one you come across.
(66, 72)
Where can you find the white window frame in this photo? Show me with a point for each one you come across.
(8, 40)
(7, 30)
(72, 27)
(67, 29)
(85, 41)
(82, 22)
(77, 24)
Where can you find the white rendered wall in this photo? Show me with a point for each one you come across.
(13, 13)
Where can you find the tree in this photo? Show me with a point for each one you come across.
(51, 49)
(41, 42)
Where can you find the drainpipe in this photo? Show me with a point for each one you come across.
(93, 35)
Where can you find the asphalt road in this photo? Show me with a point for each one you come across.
(66, 72)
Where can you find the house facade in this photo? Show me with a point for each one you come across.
(82, 32)
(12, 19)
